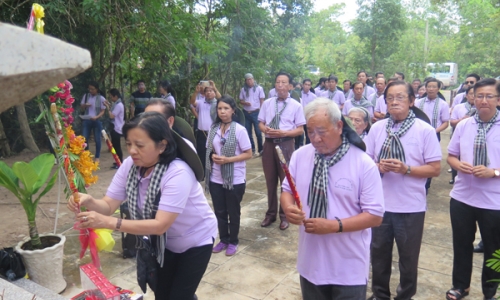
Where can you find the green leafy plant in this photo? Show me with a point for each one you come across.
(25, 180)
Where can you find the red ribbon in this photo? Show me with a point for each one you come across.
(88, 239)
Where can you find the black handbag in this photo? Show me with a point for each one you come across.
(11, 264)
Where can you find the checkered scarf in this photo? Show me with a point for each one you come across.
(228, 150)
(247, 89)
(275, 122)
(150, 205)
(435, 112)
(331, 95)
(392, 147)
(361, 103)
(317, 198)
(480, 151)
(470, 109)
(213, 108)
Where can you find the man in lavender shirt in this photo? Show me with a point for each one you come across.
(470, 80)
(307, 97)
(407, 152)
(333, 93)
(251, 97)
(335, 219)
(434, 107)
(359, 100)
(367, 90)
(378, 96)
(281, 119)
(474, 151)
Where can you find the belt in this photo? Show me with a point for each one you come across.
(279, 140)
(252, 111)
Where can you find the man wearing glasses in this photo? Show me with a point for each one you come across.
(407, 152)
(470, 80)
(474, 151)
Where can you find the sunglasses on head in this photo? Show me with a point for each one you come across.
(470, 82)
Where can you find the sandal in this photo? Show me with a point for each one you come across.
(456, 293)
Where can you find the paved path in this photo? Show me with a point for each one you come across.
(264, 266)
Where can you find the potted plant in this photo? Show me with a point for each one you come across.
(42, 255)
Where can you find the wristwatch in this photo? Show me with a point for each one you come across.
(408, 171)
(496, 172)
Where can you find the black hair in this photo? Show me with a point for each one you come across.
(362, 71)
(378, 73)
(385, 81)
(139, 81)
(433, 80)
(416, 79)
(208, 87)
(321, 80)
(467, 90)
(94, 84)
(401, 74)
(393, 79)
(156, 126)
(409, 89)
(347, 80)
(284, 74)
(306, 80)
(165, 84)
(167, 107)
(473, 75)
(229, 101)
(357, 82)
(115, 93)
(333, 77)
(486, 82)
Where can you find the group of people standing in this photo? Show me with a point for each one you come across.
(362, 173)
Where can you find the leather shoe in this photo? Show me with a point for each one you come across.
(452, 181)
(267, 221)
(479, 248)
(284, 224)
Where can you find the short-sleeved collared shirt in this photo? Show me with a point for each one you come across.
(291, 117)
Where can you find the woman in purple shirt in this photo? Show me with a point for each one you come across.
(116, 112)
(228, 146)
(167, 92)
(166, 202)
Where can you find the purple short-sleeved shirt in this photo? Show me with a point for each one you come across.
(291, 118)
(443, 110)
(180, 193)
(366, 92)
(459, 112)
(348, 105)
(338, 96)
(272, 93)
(91, 100)
(307, 98)
(403, 193)
(471, 190)
(353, 187)
(118, 111)
(253, 97)
(204, 119)
(458, 99)
(170, 99)
(381, 106)
(239, 167)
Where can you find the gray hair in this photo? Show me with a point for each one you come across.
(321, 103)
(364, 112)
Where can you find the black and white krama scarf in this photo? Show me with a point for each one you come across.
(318, 198)
(228, 150)
(480, 151)
(392, 147)
(150, 208)
(275, 122)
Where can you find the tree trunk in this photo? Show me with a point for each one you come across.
(4, 143)
(28, 140)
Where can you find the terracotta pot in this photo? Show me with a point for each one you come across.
(45, 266)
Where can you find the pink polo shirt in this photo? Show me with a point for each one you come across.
(458, 112)
(307, 98)
(381, 106)
(239, 175)
(428, 109)
(353, 187)
(349, 104)
(253, 97)
(338, 96)
(458, 99)
(181, 193)
(203, 110)
(272, 93)
(291, 118)
(471, 190)
(403, 193)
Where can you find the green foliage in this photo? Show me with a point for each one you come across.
(25, 180)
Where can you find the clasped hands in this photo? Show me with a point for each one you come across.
(314, 225)
(392, 165)
(478, 171)
(275, 133)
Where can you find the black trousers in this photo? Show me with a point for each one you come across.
(463, 224)
(407, 230)
(201, 146)
(227, 209)
(310, 291)
(182, 272)
(116, 141)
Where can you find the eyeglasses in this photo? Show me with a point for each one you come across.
(487, 97)
(470, 82)
(223, 141)
(397, 98)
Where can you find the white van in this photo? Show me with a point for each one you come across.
(447, 73)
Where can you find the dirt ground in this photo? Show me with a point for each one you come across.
(13, 220)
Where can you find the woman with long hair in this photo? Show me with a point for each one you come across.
(93, 105)
(116, 111)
